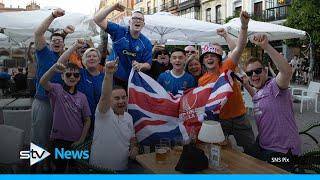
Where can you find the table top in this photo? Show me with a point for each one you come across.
(21, 103)
(237, 162)
(4, 102)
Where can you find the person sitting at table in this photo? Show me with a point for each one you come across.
(113, 138)
(273, 109)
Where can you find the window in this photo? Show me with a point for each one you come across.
(149, 7)
(138, 1)
(218, 14)
(208, 15)
(192, 13)
(182, 1)
(237, 11)
(258, 9)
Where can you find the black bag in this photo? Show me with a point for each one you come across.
(192, 160)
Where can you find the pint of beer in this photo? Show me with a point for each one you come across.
(178, 149)
(161, 154)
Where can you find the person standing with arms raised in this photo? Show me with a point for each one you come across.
(129, 44)
(47, 55)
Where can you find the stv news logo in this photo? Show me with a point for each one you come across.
(36, 154)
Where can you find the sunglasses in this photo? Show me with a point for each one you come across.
(192, 52)
(256, 71)
(163, 53)
(57, 40)
(137, 19)
(76, 75)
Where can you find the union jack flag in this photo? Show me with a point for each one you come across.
(157, 114)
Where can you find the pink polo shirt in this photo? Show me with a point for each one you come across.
(273, 111)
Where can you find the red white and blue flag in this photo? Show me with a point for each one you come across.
(157, 114)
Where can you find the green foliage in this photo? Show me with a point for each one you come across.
(236, 14)
(305, 15)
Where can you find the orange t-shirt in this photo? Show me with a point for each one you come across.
(235, 105)
(75, 59)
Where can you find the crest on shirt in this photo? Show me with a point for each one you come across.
(137, 48)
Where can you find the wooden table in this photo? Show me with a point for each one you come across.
(238, 163)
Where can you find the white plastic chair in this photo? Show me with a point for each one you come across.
(20, 119)
(308, 95)
(11, 142)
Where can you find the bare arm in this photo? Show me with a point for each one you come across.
(39, 39)
(140, 66)
(242, 40)
(29, 54)
(247, 86)
(105, 98)
(65, 56)
(84, 133)
(100, 17)
(45, 79)
(134, 150)
(231, 43)
(285, 71)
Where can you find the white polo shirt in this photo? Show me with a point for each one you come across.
(111, 140)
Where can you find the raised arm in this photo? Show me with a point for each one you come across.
(45, 79)
(105, 98)
(247, 86)
(100, 17)
(29, 53)
(65, 56)
(39, 39)
(242, 40)
(285, 71)
(223, 33)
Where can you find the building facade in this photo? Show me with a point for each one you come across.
(30, 7)
(117, 16)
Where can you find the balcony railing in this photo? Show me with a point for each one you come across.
(169, 4)
(218, 21)
(277, 13)
(271, 14)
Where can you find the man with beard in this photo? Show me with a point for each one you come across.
(129, 44)
(46, 55)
